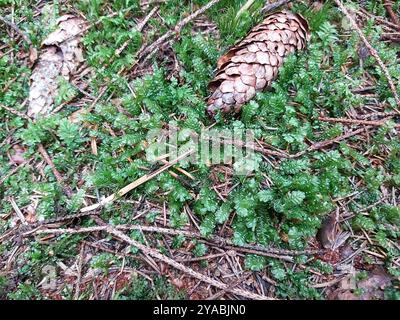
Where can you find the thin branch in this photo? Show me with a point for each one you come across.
(236, 142)
(372, 50)
(67, 190)
(214, 240)
(389, 9)
(244, 8)
(13, 170)
(156, 254)
(139, 27)
(273, 6)
(365, 14)
(18, 211)
(15, 112)
(171, 33)
(323, 144)
(378, 114)
(16, 29)
(355, 121)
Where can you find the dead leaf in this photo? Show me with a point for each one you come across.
(328, 231)
(177, 283)
(18, 156)
(31, 213)
(372, 286)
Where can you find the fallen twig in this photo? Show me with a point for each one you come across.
(273, 6)
(244, 8)
(323, 144)
(326, 143)
(261, 253)
(15, 112)
(215, 240)
(137, 28)
(372, 50)
(67, 190)
(355, 121)
(43, 153)
(389, 9)
(379, 114)
(13, 170)
(156, 254)
(221, 140)
(169, 34)
(18, 211)
(16, 29)
(209, 257)
(365, 14)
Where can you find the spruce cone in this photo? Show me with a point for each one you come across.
(253, 63)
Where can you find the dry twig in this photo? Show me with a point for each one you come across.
(323, 144)
(273, 6)
(15, 112)
(171, 33)
(389, 9)
(355, 121)
(215, 240)
(16, 29)
(156, 254)
(372, 50)
(67, 190)
(139, 27)
(365, 14)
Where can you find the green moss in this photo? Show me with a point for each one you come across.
(302, 190)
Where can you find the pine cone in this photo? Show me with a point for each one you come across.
(253, 63)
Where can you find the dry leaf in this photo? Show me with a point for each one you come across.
(18, 156)
(372, 286)
(177, 283)
(31, 213)
(328, 231)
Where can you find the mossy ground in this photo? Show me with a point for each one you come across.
(281, 205)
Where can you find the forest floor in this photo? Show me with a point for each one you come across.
(319, 218)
